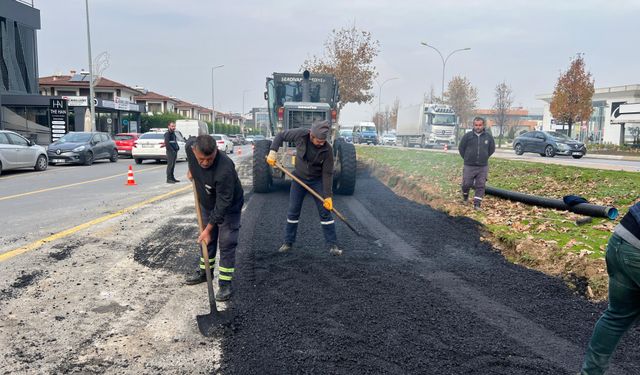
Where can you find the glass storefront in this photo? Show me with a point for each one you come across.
(32, 122)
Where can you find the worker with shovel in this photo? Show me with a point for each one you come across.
(314, 167)
(220, 197)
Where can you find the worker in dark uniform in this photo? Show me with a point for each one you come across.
(475, 148)
(171, 147)
(221, 199)
(623, 311)
(314, 166)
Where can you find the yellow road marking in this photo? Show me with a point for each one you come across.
(74, 184)
(56, 236)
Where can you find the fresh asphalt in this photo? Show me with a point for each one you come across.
(434, 299)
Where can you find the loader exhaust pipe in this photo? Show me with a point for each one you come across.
(306, 95)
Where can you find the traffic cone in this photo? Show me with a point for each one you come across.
(130, 180)
(446, 147)
(239, 152)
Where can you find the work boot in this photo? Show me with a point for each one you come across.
(198, 278)
(465, 197)
(175, 180)
(335, 250)
(224, 293)
(285, 247)
(476, 205)
(170, 181)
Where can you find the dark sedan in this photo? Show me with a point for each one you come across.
(82, 148)
(548, 144)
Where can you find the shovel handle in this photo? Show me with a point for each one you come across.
(315, 194)
(205, 251)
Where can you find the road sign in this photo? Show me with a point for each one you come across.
(58, 117)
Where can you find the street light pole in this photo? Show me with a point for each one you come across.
(91, 89)
(380, 93)
(242, 114)
(213, 102)
(444, 60)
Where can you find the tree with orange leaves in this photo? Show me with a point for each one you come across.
(571, 102)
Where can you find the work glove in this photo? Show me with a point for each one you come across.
(328, 204)
(271, 158)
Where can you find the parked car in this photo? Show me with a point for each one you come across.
(241, 139)
(388, 139)
(234, 138)
(249, 139)
(151, 146)
(82, 148)
(548, 144)
(18, 152)
(258, 137)
(125, 141)
(347, 134)
(224, 143)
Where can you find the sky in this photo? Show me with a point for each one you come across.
(170, 46)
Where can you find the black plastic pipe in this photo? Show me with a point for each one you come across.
(558, 204)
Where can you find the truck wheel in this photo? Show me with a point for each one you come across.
(262, 177)
(344, 180)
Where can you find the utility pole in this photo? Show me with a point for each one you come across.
(91, 89)
(213, 102)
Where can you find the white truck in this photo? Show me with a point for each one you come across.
(426, 125)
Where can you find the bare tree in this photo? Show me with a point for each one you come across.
(432, 97)
(349, 55)
(501, 107)
(462, 97)
(571, 100)
(393, 117)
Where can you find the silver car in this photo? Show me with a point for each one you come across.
(18, 152)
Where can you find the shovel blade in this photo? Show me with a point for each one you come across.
(211, 323)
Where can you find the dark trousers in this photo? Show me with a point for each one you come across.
(296, 197)
(171, 163)
(476, 177)
(225, 236)
(623, 267)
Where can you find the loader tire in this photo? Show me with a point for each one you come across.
(262, 175)
(344, 180)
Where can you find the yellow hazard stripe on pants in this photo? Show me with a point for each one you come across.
(224, 269)
(224, 277)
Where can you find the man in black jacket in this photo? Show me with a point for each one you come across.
(171, 146)
(314, 166)
(221, 199)
(623, 311)
(475, 148)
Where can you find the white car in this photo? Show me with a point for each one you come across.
(18, 152)
(389, 139)
(224, 143)
(151, 146)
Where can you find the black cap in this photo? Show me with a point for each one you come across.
(321, 129)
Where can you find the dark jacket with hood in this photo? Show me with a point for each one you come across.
(476, 148)
(311, 162)
(219, 188)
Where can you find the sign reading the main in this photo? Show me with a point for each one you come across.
(58, 115)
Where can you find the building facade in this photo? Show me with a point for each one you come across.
(599, 128)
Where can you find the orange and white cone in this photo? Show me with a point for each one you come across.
(130, 180)
(239, 152)
(446, 147)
